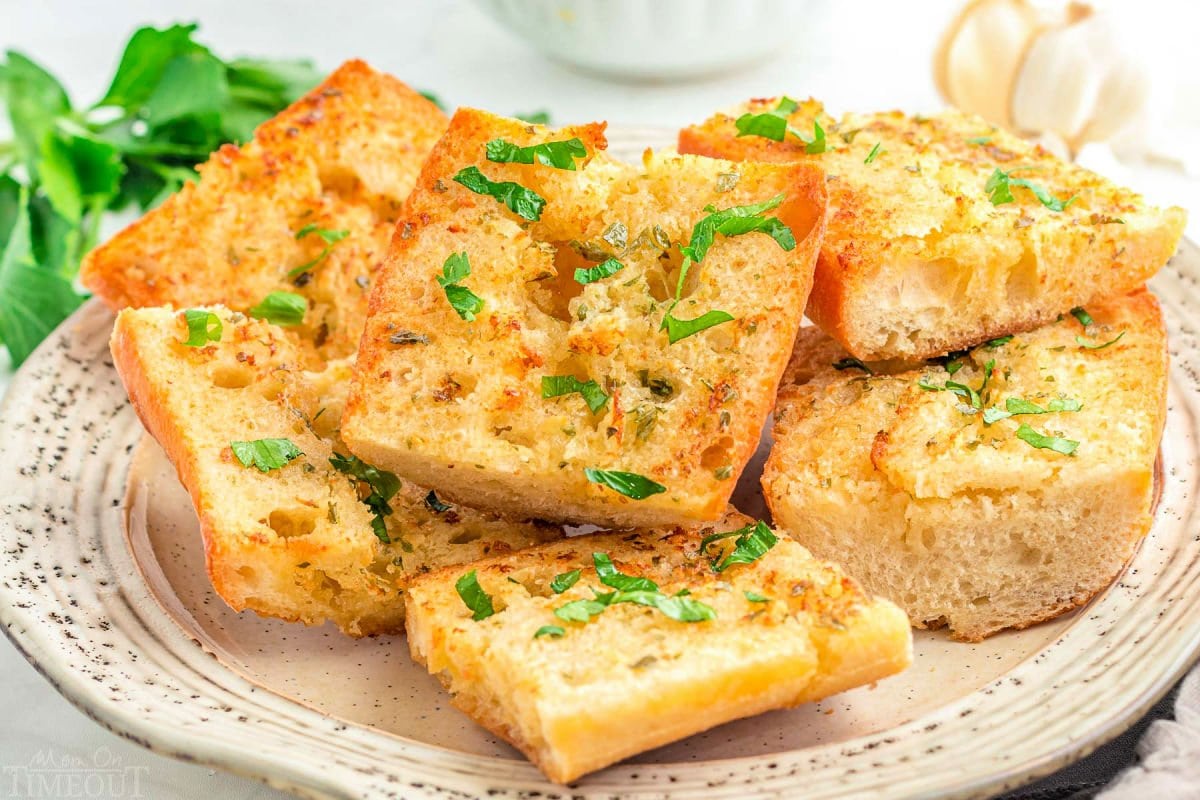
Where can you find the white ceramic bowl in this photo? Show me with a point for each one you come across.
(654, 39)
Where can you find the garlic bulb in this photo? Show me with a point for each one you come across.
(1056, 68)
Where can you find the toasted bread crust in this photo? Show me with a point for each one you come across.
(464, 409)
(959, 520)
(918, 262)
(342, 158)
(569, 704)
(296, 542)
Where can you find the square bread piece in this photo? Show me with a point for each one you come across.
(917, 261)
(295, 542)
(472, 406)
(974, 525)
(787, 629)
(337, 163)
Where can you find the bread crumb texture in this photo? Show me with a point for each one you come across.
(459, 404)
(338, 162)
(917, 261)
(985, 490)
(295, 542)
(632, 678)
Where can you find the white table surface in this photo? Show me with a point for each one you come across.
(879, 58)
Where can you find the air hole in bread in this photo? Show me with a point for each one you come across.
(465, 536)
(1022, 284)
(553, 291)
(230, 376)
(717, 455)
(292, 522)
(247, 574)
(338, 181)
(928, 539)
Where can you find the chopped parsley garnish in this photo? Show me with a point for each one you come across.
(434, 504)
(774, 125)
(875, 153)
(974, 397)
(564, 581)
(1085, 319)
(601, 271)
(330, 237)
(999, 341)
(281, 308)
(580, 610)
(383, 486)
(682, 328)
(755, 597)
(559, 385)
(1084, 343)
(629, 484)
(636, 590)
(265, 454)
(999, 189)
(979, 140)
(609, 576)
(1015, 406)
(474, 597)
(752, 543)
(525, 203)
(560, 155)
(1042, 442)
(555, 631)
(535, 117)
(850, 362)
(464, 302)
(203, 327)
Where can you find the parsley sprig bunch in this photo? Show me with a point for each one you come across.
(170, 103)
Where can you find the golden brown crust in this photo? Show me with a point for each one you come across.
(343, 157)
(918, 262)
(464, 410)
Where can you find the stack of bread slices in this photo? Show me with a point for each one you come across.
(391, 355)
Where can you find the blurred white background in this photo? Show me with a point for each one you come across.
(854, 55)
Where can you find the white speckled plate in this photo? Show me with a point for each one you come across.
(102, 586)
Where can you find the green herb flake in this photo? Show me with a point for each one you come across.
(203, 327)
(1042, 442)
(465, 303)
(678, 329)
(525, 203)
(755, 597)
(998, 342)
(559, 385)
(1085, 319)
(541, 117)
(629, 484)
(609, 576)
(563, 581)
(999, 189)
(265, 454)
(434, 504)
(383, 487)
(580, 610)
(751, 544)
(474, 597)
(281, 308)
(559, 155)
(1085, 344)
(850, 362)
(553, 631)
(601, 271)
(875, 153)
(980, 140)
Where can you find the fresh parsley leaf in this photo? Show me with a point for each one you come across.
(629, 484)
(559, 385)
(560, 155)
(525, 203)
(564, 581)
(535, 117)
(327, 235)
(1042, 442)
(599, 272)
(433, 98)
(554, 631)
(774, 125)
(999, 188)
(992, 415)
(465, 303)
(265, 454)
(850, 362)
(752, 543)
(973, 396)
(580, 610)
(816, 143)
(203, 327)
(735, 221)
(474, 597)
(755, 597)
(684, 609)
(609, 576)
(979, 140)
(1014, 406)
(953, 365)
(875, 153)
(998, 342)
(682, 328)
(1084, 343)
(383, 486)
(1085, 319)
(281, 308)
(434, 504)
